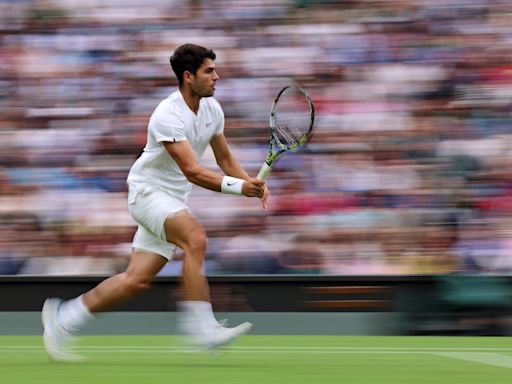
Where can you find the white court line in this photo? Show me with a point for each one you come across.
(495, 359)
(473, 354)
(466, 354)
(301, 349)
(185, 350)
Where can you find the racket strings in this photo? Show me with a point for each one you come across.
(292, 117)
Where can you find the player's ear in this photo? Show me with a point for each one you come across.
(187, 77)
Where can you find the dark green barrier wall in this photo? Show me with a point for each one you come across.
(422, 304)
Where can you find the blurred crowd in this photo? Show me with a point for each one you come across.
(408, 172)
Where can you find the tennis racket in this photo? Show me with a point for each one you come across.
(291, 125)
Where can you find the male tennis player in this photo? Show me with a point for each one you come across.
(179, 131)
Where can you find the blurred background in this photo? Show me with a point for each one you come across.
(408, 173)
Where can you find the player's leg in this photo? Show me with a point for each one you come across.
(184, 230)
(141, 270)
(62, 320)
(150, 207)
(198, 320)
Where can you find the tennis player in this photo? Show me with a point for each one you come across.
(160, 180)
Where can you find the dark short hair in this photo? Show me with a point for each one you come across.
(189, 57)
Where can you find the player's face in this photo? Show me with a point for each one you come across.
(203, 82)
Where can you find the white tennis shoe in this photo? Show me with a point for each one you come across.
(210, 337)
(57, 341)
(221, 336)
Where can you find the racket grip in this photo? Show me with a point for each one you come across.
(264, 171)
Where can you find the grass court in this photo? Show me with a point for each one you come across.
(265, 359)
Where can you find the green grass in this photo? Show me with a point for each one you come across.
(265, 359)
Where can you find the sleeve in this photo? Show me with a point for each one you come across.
(168, 131)
(219, 119)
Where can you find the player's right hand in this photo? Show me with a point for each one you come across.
(253, 188)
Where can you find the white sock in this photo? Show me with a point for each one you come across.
(74, 315)
(200, 310)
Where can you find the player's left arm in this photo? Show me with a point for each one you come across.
(227, 161)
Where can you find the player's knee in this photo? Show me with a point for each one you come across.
(198, 242)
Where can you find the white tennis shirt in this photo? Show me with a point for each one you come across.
(173, 120)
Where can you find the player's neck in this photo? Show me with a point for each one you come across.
(191, 99)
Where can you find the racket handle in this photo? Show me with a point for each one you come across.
(264, 171)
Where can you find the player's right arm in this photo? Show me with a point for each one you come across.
(184, 155)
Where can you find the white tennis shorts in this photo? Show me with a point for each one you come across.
(150, 206)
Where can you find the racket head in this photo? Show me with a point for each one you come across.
(292, 118)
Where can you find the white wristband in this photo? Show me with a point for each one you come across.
(232, 185)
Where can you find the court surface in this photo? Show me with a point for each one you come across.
(265, 359)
